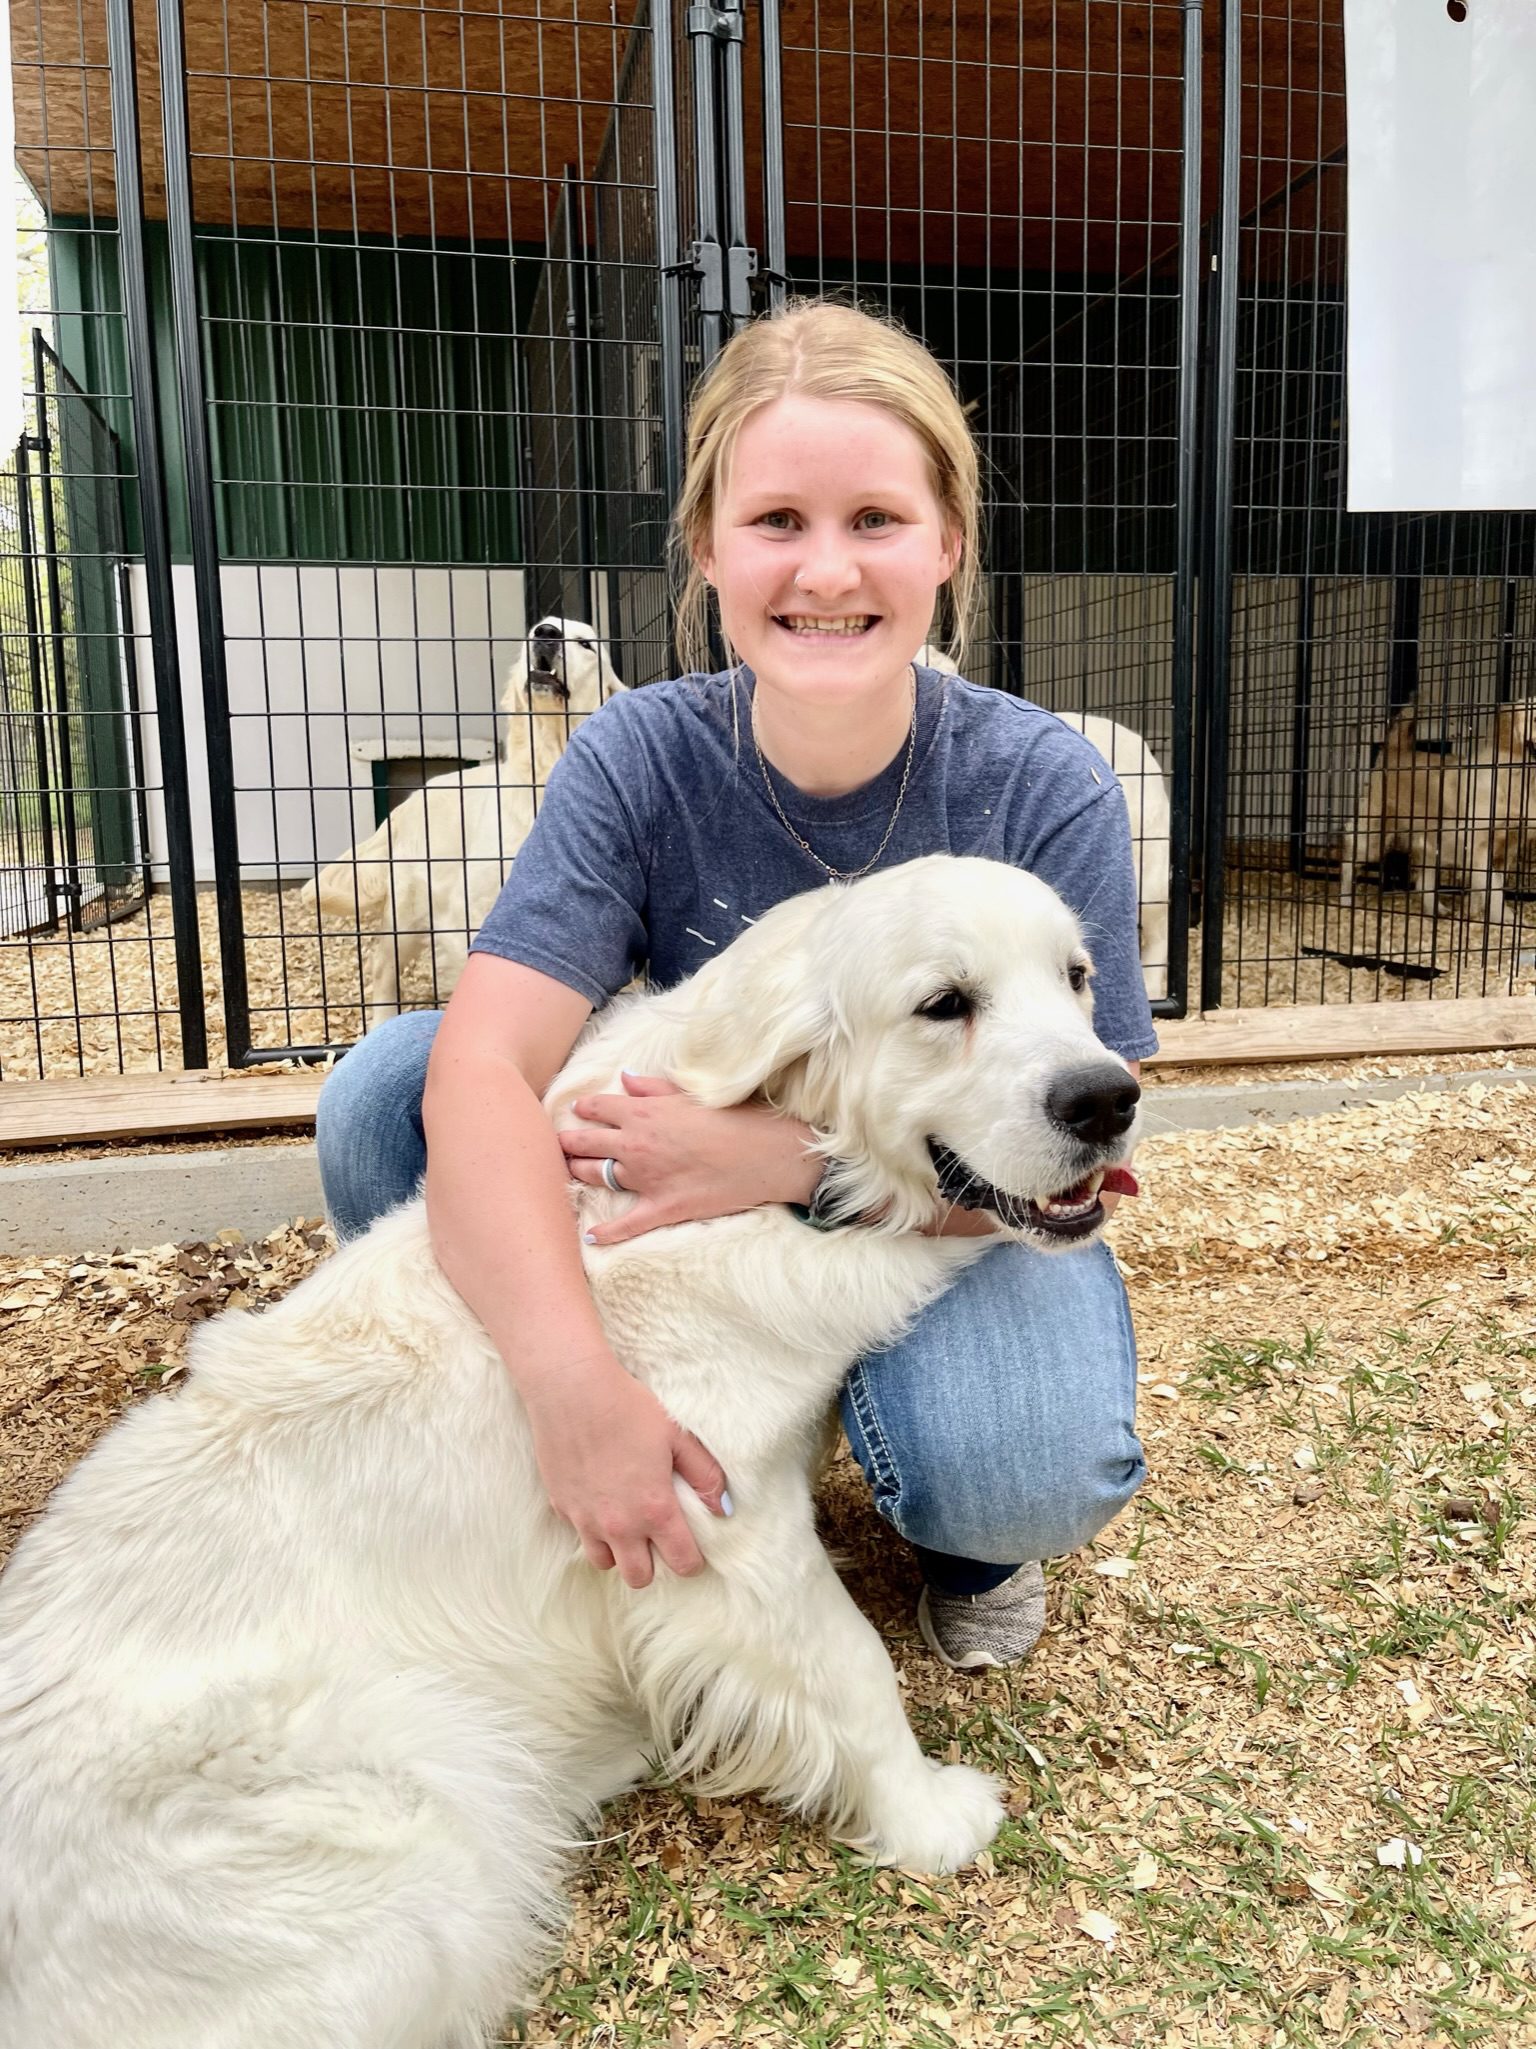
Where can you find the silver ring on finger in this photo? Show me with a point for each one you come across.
(611, 1176)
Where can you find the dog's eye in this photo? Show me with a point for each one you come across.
(1077, 977)
(948, 1007)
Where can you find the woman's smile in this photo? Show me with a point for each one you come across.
(806, 627)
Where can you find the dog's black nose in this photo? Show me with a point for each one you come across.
(548, 629)
(1096, 1104)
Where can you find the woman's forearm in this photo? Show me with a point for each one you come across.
(499, 1210)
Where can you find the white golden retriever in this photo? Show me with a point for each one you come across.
(305, 1691)
(1146, 798)
(424, 882)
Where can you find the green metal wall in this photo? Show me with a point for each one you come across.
(362, 393)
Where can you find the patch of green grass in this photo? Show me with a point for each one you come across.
(1224, 1370)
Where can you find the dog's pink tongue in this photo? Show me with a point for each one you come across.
(1119, 1181)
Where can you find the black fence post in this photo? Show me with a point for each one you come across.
(708, 258)
(1407, 619)
(771, 57)
(74, 887)
(27, 538)
(1186, 507)
(1215, 640)
(205, 537)
(740, 258)
(150, 462)
(668, 249)
(578, 328)
(1508, 620)
(1301, 722)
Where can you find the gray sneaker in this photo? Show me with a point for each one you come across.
(972, 1631)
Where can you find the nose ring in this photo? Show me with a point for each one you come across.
(797, 579)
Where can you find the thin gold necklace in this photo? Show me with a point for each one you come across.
(842, 874)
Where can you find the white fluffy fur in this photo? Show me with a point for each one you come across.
(1146, 797)
(424, 882)
(306, 1693)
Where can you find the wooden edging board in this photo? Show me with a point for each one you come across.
(115, 1107)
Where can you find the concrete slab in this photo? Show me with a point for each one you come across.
(1210, 1109)
(50, 1207)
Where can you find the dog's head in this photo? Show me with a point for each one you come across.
(1514, 732)
(933, 1023)
(562, 667)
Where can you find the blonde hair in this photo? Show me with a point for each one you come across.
(826, 350)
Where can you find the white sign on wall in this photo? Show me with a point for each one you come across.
(1441, 105)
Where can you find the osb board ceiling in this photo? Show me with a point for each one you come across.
(389, 118)
(1038, 138)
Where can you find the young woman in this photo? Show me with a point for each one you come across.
(831, 489)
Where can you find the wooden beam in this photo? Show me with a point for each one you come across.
(1340, 1031)
(128, 1106)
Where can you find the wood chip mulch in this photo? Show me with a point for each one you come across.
(1271, 1771)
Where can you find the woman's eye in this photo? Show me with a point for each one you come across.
(875, 520)
(1077, 977)
(949, 1006)
(780, 522)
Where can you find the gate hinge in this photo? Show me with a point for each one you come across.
(725, 24)
(724, 276)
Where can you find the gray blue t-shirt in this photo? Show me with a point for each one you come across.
(657, 842)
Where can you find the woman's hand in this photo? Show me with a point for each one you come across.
(607, 1452)
(685, 1161)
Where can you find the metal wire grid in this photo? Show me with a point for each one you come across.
(448, 164)
(1010, 185)
(441, 296)
(93, 833)
(1340, 621)
(92, 976)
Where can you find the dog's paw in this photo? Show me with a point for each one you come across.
(941, 1821)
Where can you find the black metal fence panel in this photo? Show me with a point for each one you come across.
(434, 283)
(1009, 184)
(1380, 701)
(75, 843)
(110, 974)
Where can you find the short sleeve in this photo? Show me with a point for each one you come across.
(1087, 860)
(574, 904)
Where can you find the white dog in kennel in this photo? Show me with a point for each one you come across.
(422, 884)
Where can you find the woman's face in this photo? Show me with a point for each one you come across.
(828, 548)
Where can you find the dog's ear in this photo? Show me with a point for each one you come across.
(758, 1013)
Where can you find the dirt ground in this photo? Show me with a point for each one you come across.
(105, 1001)
(1272, 1771)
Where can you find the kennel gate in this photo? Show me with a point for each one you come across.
(72, 826)
(436, 280)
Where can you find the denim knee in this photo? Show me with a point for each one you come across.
(938, 1509)
(1002, 1426)
(368, 1130)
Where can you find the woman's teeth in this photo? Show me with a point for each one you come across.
(830, 626)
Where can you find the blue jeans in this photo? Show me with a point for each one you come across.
(1001, 1428)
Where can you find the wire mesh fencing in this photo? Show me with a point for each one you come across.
(394, 309)
(1381, 698)
(74, 825)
